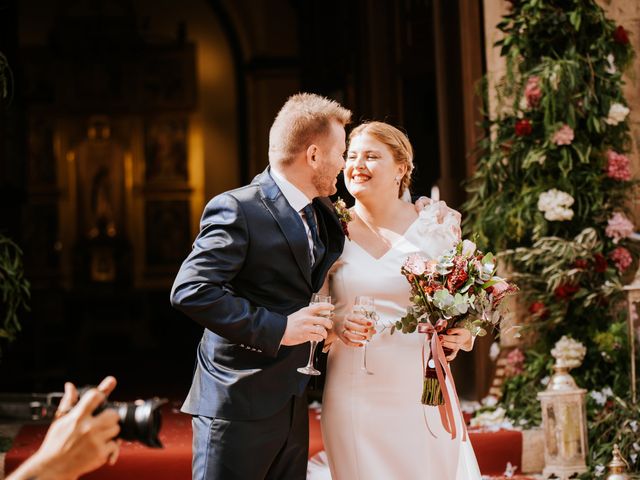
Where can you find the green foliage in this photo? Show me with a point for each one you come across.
(14, 289)
(564, 71)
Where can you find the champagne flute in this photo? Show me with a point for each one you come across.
(309, 368)
(365, 305)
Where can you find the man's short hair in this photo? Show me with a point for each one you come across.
(301, 120)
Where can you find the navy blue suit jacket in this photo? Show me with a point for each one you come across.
(248, 270)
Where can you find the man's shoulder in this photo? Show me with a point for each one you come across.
(245, 193)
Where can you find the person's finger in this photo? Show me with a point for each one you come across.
(113, 451)
(318, 330)
(321, 321)
(107, 385)
(90, 401)
(106, 419)
(359, 319)
(314, 337)
(452, 356)
(69, 399)
(357, 327)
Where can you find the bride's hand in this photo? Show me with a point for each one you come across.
(455, 340)
(354, 329)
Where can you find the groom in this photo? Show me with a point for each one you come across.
(262, 250)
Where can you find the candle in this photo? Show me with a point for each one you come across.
(435, 193)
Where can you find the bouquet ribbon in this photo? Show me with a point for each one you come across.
(442, 368)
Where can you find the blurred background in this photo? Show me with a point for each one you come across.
(125, 116)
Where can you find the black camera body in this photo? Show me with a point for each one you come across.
(140, 421)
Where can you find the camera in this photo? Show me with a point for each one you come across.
(140, 421)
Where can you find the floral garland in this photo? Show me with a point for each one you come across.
(551, 188)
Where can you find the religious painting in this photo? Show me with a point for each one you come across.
(166, 151)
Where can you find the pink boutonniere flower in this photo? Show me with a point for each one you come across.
(343, 215)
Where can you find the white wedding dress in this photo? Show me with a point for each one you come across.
(374, 426)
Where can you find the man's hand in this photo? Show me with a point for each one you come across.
(307, 324)
(77, 442)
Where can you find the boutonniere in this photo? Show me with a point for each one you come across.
(343, 215)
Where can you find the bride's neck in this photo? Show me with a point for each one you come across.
(378, 213)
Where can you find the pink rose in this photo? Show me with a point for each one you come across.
(415, 264)
(430, 267)
(622, 258)
(618, 166)
(532, 91)
(564, 135)
(500, 290)
(515, 363)
(618, 227)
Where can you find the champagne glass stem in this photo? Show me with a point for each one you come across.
(312, 351)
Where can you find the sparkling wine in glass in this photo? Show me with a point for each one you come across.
(309, 368)
(365, 305)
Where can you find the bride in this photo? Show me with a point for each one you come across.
(373, 425)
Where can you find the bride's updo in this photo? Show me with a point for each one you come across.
(397, 142)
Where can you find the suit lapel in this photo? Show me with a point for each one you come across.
(332, 236)
(288, 220)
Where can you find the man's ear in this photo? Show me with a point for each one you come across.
(311, 154)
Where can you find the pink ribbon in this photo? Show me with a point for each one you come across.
(442, 367)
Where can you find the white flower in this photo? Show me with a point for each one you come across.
(489, 401)
(492, 420)
(599, 470)
(617, 113)
(510, 470)
(555, 205)
(468, 248)
(611, 67)
(633, 457)
(598, 397)
(636, 446)
(494, 351)
(568, 352)
(634, 425)
(545, 380)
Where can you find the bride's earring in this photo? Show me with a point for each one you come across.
(398, 180)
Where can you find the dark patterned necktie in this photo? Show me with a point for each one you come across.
(318, 246)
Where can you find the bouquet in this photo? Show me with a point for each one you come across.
(458, 289)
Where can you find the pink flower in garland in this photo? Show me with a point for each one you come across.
(622, 258)
(523, 127)
(532, 91)
(619, 227)
(564, 135)
(618, 166)
(515, 363)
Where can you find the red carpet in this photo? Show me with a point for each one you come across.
(493, 450)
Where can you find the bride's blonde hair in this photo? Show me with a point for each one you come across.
(397, 142)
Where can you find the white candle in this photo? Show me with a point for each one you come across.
(435, 193)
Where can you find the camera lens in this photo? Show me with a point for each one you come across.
(140, 421)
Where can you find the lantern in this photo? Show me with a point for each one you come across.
(564, 417)
(617, 466)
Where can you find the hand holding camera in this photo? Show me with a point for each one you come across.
(87, 430)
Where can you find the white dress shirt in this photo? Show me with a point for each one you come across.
(298, 200)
